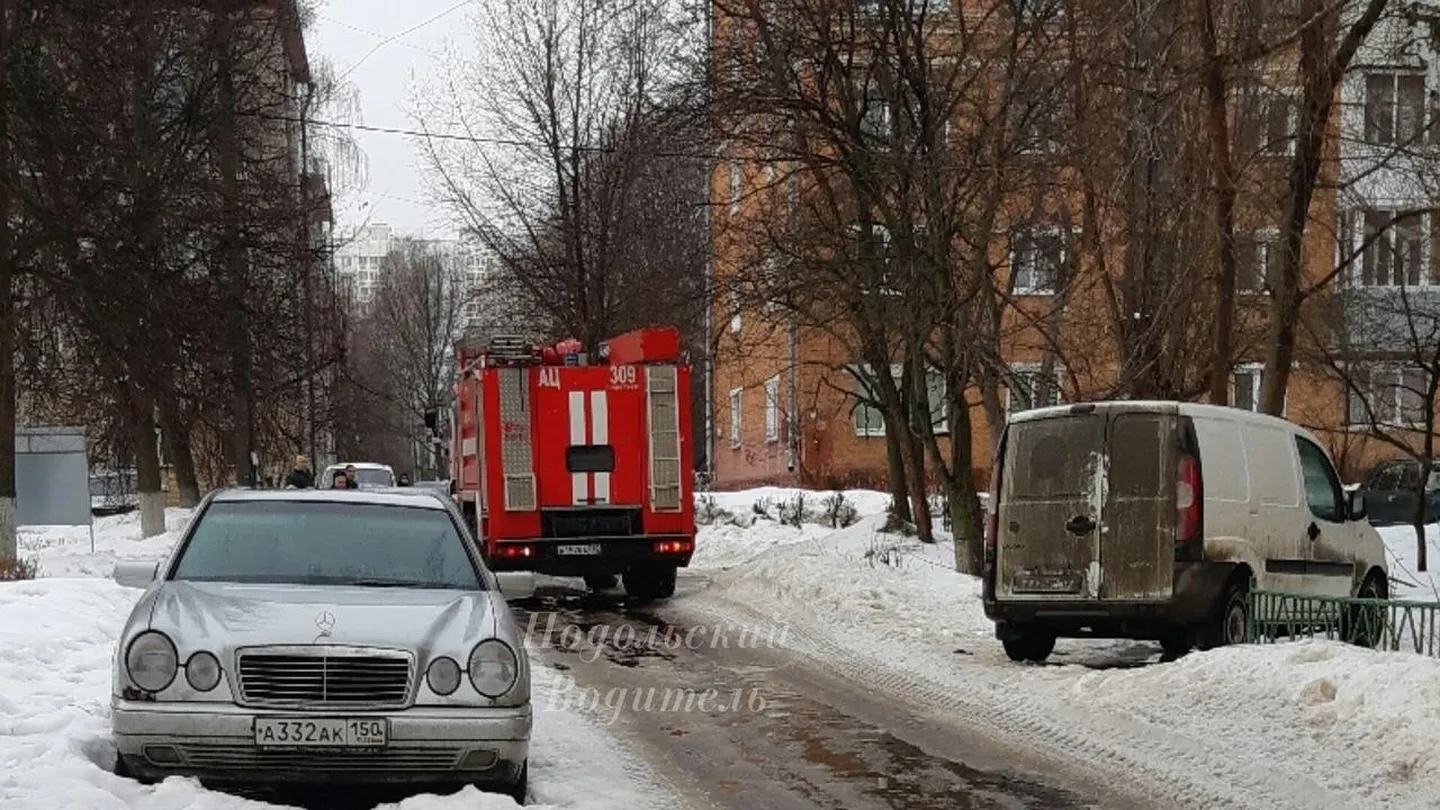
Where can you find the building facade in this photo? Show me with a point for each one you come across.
(787, 409)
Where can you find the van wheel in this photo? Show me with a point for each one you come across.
(1228, 624)
(1029, 647)
(1365, 626)
(1177, 642)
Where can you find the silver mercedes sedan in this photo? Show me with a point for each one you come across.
(324, 636)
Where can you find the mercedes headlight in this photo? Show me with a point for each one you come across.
(443, 676)
(151, 661)
(493, 668)
(203, 671)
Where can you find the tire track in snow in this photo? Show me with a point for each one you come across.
(1144, 761)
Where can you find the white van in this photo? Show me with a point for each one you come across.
(1147, 520)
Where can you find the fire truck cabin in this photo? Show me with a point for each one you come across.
(576, 468)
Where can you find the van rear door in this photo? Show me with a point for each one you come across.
(1137, 546)
(1087, 506)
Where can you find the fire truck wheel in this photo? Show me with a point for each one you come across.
(648, 582)
(601, 582)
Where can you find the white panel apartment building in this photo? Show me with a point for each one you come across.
(358, 262)
(1388, 241)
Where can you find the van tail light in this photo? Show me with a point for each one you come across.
(992, 519)
(1188, 500)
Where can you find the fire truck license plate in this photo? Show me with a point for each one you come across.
(587, 549)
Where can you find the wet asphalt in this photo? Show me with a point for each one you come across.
(736, 720)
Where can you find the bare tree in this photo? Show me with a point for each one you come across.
(411, 326)
(567, 117)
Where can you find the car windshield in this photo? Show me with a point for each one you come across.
(318, 543)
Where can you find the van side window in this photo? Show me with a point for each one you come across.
(1322, 485)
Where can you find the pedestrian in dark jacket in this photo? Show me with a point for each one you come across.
(300, 477)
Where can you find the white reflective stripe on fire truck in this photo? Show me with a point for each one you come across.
(579, 482)
(600, 434)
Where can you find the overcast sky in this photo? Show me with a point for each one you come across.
(352, 35)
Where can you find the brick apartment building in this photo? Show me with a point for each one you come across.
(786, 411)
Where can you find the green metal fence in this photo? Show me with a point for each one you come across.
(1385, 624)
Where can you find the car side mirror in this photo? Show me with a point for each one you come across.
(136, 573)
(1357, 507)
(516, 584)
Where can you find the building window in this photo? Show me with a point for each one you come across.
(736, 401)
(869, 421)
(1394, 107)
(1246, 381)
(735, 182)
(1256, 261)
(877, 254)
(735, 322)
(1390, 248)
(1037, 113)
(875, 112)
(1037, 261)
(772, 409)
(1029, 388)
(1031, 12)
(1265, 122)
(1388, 396)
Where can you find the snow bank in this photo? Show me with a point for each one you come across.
(64, 551)
(1407, 581)
(57, 641)
(1302, 725)
(737, 526)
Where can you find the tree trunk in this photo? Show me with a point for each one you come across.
(9, 549)
(963, 501)
(1320, 73)
(1223, 344)
(182, 456)
(899, 488)
(147, 462)
(233, 251)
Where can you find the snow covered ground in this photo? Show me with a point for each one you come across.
(56, 646)
(1302, 724)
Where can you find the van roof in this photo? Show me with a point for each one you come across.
(1167, 406)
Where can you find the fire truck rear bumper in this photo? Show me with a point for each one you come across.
(578, 557)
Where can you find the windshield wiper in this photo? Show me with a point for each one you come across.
(383, 583)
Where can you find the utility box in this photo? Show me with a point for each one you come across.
(52, 477)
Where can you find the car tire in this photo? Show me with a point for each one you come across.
(1230, 620)
(122, 769)
(1365, 626)
(601, 582)
(520, 789)
(1033, 647)
(646, 583)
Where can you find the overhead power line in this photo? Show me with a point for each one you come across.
(412, 29)
(478, 139)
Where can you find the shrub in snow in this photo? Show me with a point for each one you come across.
(761, 507)
(708, 511)
(14, 570)
(838, 512)
(883, 553)
(792, 512)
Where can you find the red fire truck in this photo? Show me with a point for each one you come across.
(578, 467)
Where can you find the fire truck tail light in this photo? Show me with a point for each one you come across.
(674, 546)
(512, 551)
